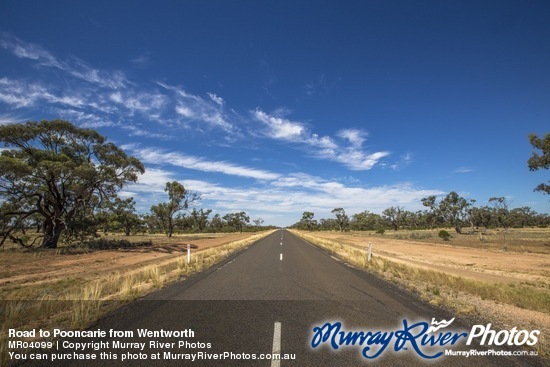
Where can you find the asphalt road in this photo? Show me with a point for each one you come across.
(269, 298)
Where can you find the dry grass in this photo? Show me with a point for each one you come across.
(530, 240)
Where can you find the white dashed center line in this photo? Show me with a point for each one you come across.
(276, 343)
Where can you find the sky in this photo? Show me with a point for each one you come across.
(279, 107)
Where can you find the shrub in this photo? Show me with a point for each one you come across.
(380, 231)
(444, 235)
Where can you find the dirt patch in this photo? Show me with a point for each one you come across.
(489, 265)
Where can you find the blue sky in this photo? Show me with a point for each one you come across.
(276, 108)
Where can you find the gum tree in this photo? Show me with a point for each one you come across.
(179, 198)
(56, 170)
(453, 209)
(341, 218)
(537, 161)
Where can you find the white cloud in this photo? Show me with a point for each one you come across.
(219, 100)
(109, 95)
(28, 50)
(73, 66)
(356, 137)
(134, 101)
(280, 128)
(185, 111)
(463, 170)
(142, 61)
(152, 156)
(136, 131)
(351, 154)
(195, 108)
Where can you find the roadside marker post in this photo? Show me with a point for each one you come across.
(188, 253)
(370, 252)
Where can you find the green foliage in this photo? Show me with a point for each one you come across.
(179, 198)
(237, 220)
(453, 209)
(307, 222)
(341, 218)
(537, 161)
(56, 170)
(380, 231)
(393, 217)
(443, 234)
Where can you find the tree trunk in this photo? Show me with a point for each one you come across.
(52, 233)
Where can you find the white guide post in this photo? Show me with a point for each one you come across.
(370, 252)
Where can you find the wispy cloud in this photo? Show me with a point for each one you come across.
(190, 107)
(28, 50)
(463, 170)
(141, 61)
(73, 65)
(155, 156)
(348, 151)
(320, 85)
(109, 94)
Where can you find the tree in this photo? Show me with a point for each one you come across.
(537, 161)
(393, 216)
(200, 218)
(216, 224)
(58, 170)
(179, 199)
(307, 222)
(123, 213)
(341, 218)
(258, 222)
(365, 221)
(237, 220)
(500, 206)
(453, 208)
(482, 217)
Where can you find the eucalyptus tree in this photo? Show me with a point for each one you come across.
(57, 170)
(341, 218)
(179, 198)
(453, 209)
(237, 220)
(537, 161)
(123, 212)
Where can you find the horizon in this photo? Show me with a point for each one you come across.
(279, 108)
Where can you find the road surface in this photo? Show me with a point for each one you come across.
(269, 298)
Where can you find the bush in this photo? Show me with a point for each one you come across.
(380, 231)
(444, 235)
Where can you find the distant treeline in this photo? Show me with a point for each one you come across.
(451, 211)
